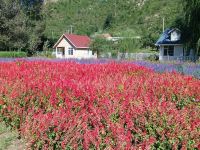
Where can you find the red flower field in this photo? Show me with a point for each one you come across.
(66, 105)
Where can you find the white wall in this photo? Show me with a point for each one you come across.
(178, 50)
(178, 53)
(66, 45)
(77, 53)
(81, 53)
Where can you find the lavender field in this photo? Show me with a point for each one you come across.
(183, 68)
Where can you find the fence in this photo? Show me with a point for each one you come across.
(145, 56)
(179, 58)
(135, 56)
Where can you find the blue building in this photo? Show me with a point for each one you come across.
(171, 46)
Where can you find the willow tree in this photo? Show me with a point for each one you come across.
(192, 23)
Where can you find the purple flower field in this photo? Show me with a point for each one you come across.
(183, 68)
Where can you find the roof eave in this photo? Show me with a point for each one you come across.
(167, 44)
(55, 45)
(82, 47)
(64, 36)
(74, 44)
(70, 42)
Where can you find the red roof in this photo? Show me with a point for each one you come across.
(78, 41)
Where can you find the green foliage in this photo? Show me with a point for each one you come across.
(128, 45)
(123, 45)
(44, 53)
(101, 45)
(153, 57)
(191, 23)
(32, 9)
(46, 45)
(108, 22)
(120, 18)
(21, 25)
(35, 24)
(26, 26)
(12, 54)
(115, 117)
(162, 145)
(12, 26)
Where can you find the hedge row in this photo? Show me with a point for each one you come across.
(12, 54)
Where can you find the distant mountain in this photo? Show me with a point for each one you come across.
(119, 18)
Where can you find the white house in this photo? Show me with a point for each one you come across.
(74, 46)
(171, 46)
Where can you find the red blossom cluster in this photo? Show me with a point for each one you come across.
(66, 105)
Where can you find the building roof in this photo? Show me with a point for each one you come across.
(78, 41)
(104, 35)
(165, 38)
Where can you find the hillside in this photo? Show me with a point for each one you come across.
(128, 18)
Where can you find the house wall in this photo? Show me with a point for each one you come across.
(80, 53)
(178, 53)
(77, 53)
(66, 45)
(178, 50)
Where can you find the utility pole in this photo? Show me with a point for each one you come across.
(71, 29)
(115, 8)
(52, 36)
(163, 24)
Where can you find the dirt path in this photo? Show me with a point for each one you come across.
(9, 140)
(16, 145)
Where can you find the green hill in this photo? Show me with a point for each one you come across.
(128, 18)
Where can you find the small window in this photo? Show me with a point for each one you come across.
(165, 50)
(171, 51)
(70, 51)
(168, 50)
(93, 52)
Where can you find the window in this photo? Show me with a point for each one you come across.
(70, 51)
(168, 50)
(93, 52)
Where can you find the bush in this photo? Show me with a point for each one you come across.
(68, 105)
(48, 54)
(12, 54)
(153, 57)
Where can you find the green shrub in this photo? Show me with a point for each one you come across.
(153, 57)
(47, 54)
(12, 54)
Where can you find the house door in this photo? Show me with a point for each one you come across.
(61, 50)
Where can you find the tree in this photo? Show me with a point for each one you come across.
(33, 9)
(191, 26)
(13, 35)
(102, 46)
(21, 25)
(108, 21)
